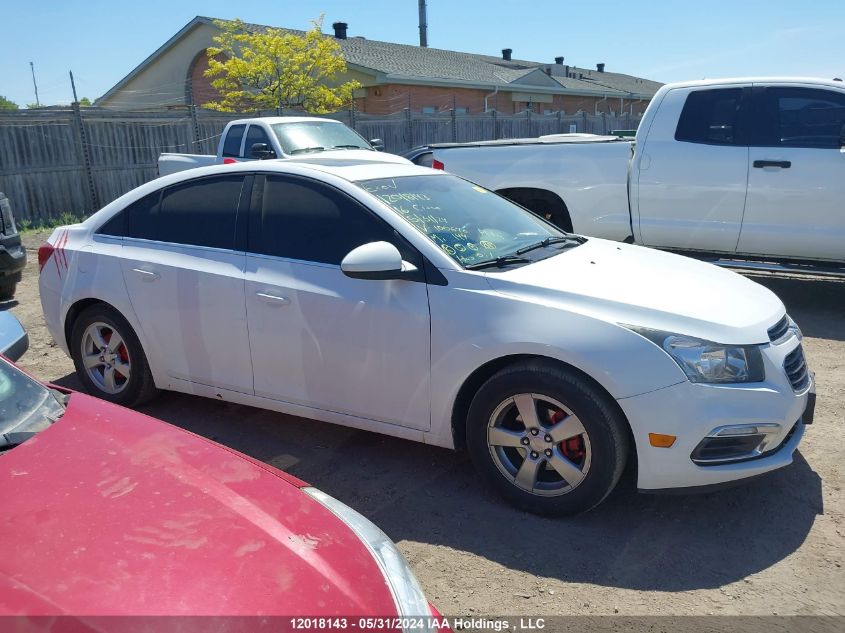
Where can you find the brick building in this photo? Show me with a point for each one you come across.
(398, 76)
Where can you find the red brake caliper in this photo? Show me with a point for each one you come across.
(573, 448)
(122, 352)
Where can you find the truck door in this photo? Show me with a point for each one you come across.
(692, 171)
(796, 174)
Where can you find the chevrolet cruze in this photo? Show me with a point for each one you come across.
(406, 301)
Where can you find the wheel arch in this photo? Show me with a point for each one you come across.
(539, 200)
(480, 375)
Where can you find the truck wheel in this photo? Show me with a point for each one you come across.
(108, 357)
(546, 438)
(7, 290)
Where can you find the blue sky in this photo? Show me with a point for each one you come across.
(101, 41)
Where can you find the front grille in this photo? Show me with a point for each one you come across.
(779, 329)
(796, 370)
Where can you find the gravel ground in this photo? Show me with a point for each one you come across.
(773, 546)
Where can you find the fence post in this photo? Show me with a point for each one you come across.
(454, 125)
(195, 126)
(85, 154)
(604, 122)
(409, 124)
(559, 122)
(352, 115)
(529, 123)
(584, 120)
(495, 124)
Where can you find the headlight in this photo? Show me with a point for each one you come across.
(407, 595)
(707, 362)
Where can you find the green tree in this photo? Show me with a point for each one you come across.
(277, 69)
(85, 101)
(5, 104)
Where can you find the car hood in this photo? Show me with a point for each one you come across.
(110, 512)
(640, 286)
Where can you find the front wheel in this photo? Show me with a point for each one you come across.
(7, 290)
(108, 357)
(546, 438)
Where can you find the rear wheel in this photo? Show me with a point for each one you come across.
(108, 357)
(546, 438)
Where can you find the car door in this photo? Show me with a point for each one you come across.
(255, 134)
(184, 271)
(796, 174)
(692, 175)
(322, 339)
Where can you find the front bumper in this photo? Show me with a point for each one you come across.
(691, 412)
(12, 258)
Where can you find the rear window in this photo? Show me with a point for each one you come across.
(712, 117)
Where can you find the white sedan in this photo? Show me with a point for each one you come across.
(406, 301)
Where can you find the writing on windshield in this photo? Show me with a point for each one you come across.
(466, 221)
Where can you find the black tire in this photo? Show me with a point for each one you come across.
(139, 387)
(599, 453)
(7, 290)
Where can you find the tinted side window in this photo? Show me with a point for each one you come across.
(199, 213)
(801, 117)
(255, 135)
(141, 209)
(300, 219)
(712, 117)
(232, 144)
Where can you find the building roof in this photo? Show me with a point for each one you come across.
(405, 63)
(410, 61)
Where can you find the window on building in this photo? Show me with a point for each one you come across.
(429, 109)
(461, 110)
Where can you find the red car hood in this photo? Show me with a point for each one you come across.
(110, 512)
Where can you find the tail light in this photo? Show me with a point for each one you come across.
(436, 164)
(45, 251)
(229, 161)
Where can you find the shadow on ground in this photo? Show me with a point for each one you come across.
(816, 304)
(431, 495)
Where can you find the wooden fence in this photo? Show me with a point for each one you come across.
(56, 161)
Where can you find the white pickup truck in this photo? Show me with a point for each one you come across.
(280, 137)
(737, 169)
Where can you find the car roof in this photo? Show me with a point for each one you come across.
(832, 83)
(350, 170)
(272, 120)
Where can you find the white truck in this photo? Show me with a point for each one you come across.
(280, 137)
(749, 171)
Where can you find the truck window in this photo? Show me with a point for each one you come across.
(711, 117)
(232, 144)
(255, 134)
(800, 117)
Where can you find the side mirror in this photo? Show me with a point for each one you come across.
(377, 144)
(261, 151)
(376, 260)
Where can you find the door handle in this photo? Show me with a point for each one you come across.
(784, 164)
(146, 275)
(272, 299)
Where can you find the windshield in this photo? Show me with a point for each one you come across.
(316, 136)
(468, 222)
(25, 404)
